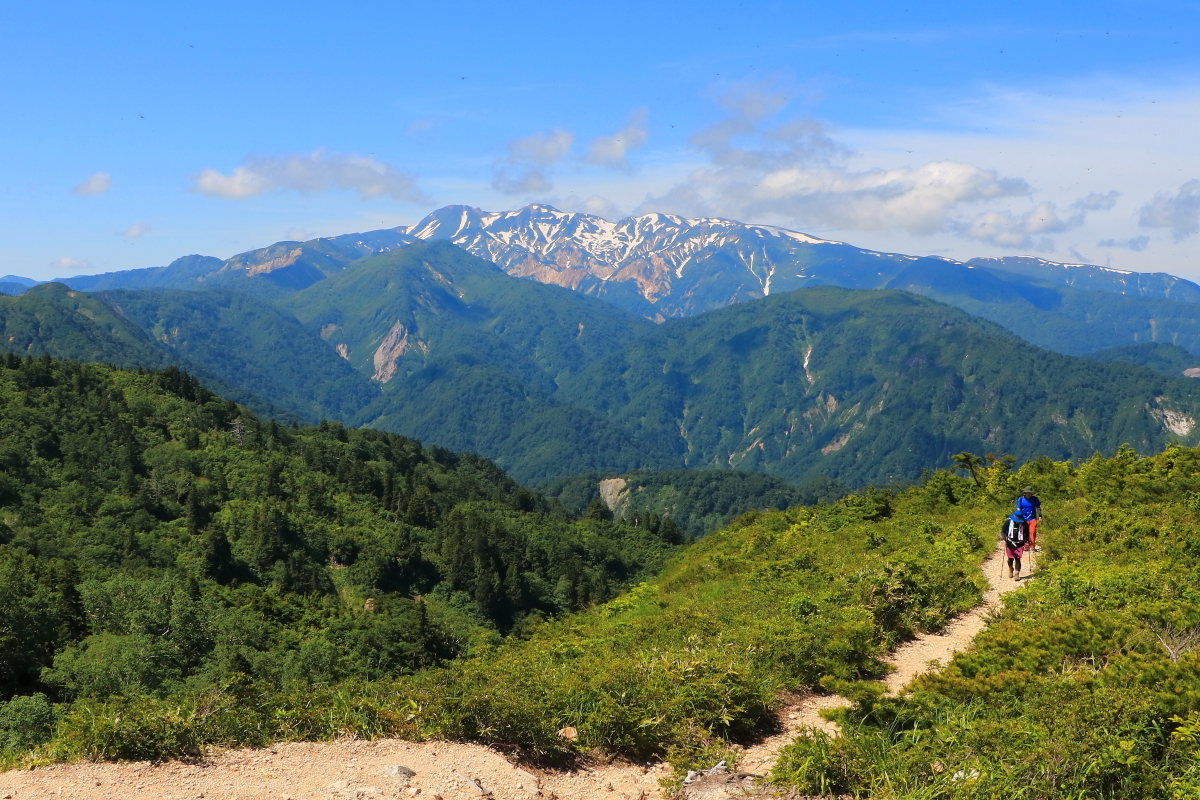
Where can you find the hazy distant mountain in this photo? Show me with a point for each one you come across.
(661, 267)
(1104, 279)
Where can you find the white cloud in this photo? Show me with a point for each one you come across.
(1179, 212)
(67, 264)
(319, 171)
(794, 173)
(524, 171)
(98, 183)
(541, 148)
(611, 151)
(790, 173)
(299, 235)
(1137, 244)
(136, 230)
(1028, 230)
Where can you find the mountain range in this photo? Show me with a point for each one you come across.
(432, 342)
(661, 267)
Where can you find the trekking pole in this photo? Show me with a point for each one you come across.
(1000, 576)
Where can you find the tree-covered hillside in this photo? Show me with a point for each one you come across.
(471, 358)
(52, 319)
(698, 501)
(1169, 359)
(264, 352)
(432, 343)
(871, 387)
(155, 538)
(1065, 319)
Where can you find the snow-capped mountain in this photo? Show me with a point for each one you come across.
(665, 260)
(662, 266)
(656, 265)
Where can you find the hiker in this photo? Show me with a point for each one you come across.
(1030, 509)
(1015, 533)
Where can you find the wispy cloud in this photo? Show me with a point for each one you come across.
(1137, 243)
(71, 265)
(794, 170)
(299, 235)
(97, 183)
(1179, 212)
(136, 230)
(525, 169)
(1030, 229)
(319, 171)
(611, 151)
(426, 124)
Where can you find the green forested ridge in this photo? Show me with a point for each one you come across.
(251, 345)
(1086, 685)
(475, 359)
(1169, 359)
(1066, 319)
(869, 387)
(52, 319)
(156, 540)
(859, 386)
(698, 501)
(245, 349)
(777, 601)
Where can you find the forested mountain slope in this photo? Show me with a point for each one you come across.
(471, 358)
(249, 344)
(1065, 319)
(698, 501)
(52, 319)
(432, 343)
(870, 387)
(1084, 685)
(248, 350)
(1169, 359)
(155, 538)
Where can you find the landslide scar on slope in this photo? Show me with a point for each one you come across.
(394, 345)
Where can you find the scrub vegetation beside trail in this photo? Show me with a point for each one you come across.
(178, 574)
(194, 577)
(1086, 685)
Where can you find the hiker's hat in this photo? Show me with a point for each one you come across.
(1027, 490)
(1016, 517)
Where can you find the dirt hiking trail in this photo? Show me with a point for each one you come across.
(393, 769)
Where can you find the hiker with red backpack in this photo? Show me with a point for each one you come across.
(1015, 533)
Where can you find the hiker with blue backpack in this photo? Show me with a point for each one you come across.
(1030, 509)
(1015, 533)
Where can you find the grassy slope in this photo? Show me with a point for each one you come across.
(1075, 690)
(779, 601)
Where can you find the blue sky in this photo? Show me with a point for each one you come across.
(137, 133)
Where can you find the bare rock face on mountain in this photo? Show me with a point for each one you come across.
(667, 261)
